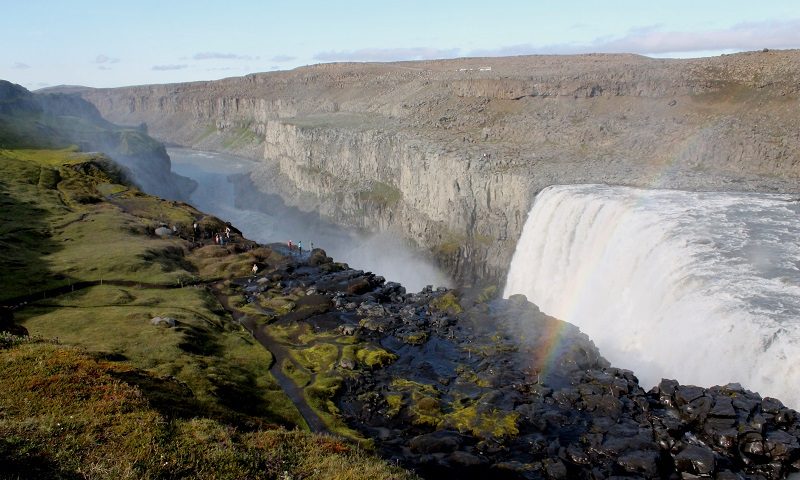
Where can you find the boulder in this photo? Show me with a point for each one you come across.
(318, 257)
(695, 459)
(640, 461)
(347, 329)
(168, 322)
(443, 441)
(163, 232)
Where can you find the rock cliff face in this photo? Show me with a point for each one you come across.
(451, 153)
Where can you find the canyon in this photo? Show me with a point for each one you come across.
(451, 153)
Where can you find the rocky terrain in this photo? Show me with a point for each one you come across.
(460, 383)
(452, 152)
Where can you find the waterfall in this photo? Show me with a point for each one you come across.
(700, 287)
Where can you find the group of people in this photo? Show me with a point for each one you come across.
(220, 238)
(223, 238)
(297, 246)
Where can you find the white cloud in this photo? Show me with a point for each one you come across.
(162, 68)
(386, 54)
(21, 66)
(221, 56)
(655, 40)
(103, 59)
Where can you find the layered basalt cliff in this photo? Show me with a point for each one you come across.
(451, 153)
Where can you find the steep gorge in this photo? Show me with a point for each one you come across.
(451, 153)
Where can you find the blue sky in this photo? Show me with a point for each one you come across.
(110, 43)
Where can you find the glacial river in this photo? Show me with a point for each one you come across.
(700, 287)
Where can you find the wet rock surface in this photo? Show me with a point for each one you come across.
(492, 388)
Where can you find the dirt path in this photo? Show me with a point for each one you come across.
(280, 353)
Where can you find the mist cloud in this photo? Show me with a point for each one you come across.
(221, 56)
(387, 54)
(20, 66)
(162, 68)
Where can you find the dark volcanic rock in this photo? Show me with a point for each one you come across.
(500, 390)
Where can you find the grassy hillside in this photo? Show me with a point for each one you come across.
(109, 394)
(57, 121)
(68, 414)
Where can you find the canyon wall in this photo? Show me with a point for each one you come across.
(451, 153)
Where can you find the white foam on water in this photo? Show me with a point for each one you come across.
(700, 287)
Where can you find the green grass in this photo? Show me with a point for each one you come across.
(57, 230)
(67, 414)
(221, 365)
(239, 136)
(54, 236)
(447, 303)
(450, 243)
(320, 357)
(381, 194)
(319, 395)
(486, 424)
(299, 375)
(207, 132)
(368, 356)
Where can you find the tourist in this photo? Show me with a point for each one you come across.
(255, 269)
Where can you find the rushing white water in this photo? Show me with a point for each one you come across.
(384, 254)
(700, 287)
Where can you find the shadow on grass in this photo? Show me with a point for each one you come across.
(20, 460)
(170, 259)
(198, 341)
(175, 400)
(24, 233)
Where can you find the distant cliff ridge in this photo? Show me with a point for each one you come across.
(57, 120)
(452, 155)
